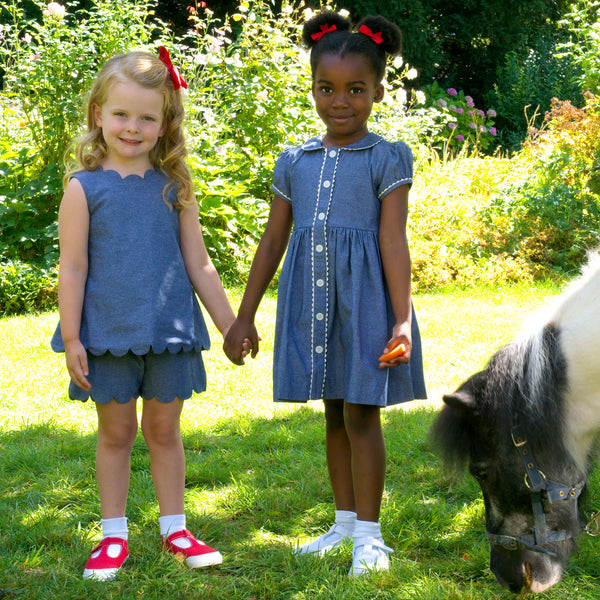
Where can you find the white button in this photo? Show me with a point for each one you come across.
(320, 283)
(319, 247)
(321, 216)
(327, 183)
(332, 153)
(319, 349)
(320, 316)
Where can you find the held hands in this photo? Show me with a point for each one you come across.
(241, 339)
(395, 354)
(77, 364)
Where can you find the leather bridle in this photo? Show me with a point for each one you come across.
(544, 493)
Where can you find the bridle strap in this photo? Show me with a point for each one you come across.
(543, 492)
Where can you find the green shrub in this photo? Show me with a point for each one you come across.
(25, 288)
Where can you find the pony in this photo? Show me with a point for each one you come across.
(525, 426)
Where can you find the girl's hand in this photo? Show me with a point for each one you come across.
(77, 364)
(241, 339)
(400, 335)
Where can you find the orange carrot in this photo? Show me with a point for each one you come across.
(393, 353)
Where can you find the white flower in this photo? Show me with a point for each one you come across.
(344, 13)
(308, 14)
(411, 74)
(401, 96)
(397, 62)
(54, 9)
(262, 96)
(420, 97)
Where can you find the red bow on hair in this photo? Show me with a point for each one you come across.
(324, 29)
(178, 80)
(376, 37)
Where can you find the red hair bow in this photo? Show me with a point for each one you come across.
(178, 80)
(324, 29)
(376, 37)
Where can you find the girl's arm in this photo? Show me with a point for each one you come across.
(202, 272)
(266, 260)
(73, 230)
(395, 256)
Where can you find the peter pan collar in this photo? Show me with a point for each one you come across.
(370, 140)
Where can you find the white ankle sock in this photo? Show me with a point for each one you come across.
(367, 529)
(347, 519)
(116, 527)
(172, 524)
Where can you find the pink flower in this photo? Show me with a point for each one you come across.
(468, 99)
(452, 107)
(452, 92)
(483, 129)
(491, 113)
(470, 103)
(473, 125)
(460, 111)
(441, 102)
(452, 125)
(493, 130)
(460, 138)
(481, 113)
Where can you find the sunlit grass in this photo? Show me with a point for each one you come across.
(256, 478)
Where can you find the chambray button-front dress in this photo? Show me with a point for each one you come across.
(334, 314)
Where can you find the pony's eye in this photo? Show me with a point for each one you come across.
(479, 472)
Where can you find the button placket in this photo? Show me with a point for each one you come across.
(321, 271)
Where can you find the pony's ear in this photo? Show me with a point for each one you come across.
(462, 401)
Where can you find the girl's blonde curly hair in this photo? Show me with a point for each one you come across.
(170, 152)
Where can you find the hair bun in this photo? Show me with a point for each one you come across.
(390, 34)
(320, 21)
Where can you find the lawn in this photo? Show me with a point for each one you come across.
(256, 478)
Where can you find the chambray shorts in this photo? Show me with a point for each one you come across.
(162, 376)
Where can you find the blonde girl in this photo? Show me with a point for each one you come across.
(132, 259)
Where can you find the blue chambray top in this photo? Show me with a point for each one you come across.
(138, 295)
(334, 314)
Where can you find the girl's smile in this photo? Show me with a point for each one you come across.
(344, 89)
(132, 121)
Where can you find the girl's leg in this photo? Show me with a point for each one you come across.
(339, 456)
(117, 428)
(368, 470)
(339, 464)
(363, 427)
(161, 429)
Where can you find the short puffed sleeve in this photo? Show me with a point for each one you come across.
(392, 168)
(281, 176)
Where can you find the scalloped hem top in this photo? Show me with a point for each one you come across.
(138, 294)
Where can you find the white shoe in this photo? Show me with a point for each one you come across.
(369, 554)
(326, 542)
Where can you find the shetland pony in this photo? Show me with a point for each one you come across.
(525, 426)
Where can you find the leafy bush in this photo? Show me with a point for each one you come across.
(583, 22)
(461, 125)
(551, 217)
(527, 81)
(25, 288)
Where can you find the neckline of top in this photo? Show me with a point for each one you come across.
(370, 140)
(150, 171)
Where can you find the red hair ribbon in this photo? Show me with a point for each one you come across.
(178, 80)
(376, 37)
(324, 29)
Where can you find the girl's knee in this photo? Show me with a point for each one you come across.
(362, 419)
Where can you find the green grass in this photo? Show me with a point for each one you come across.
(256, 478)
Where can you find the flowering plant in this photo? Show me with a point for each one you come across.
(465, 126)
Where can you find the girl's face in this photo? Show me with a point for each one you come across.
(344, 89)
(131, 120)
